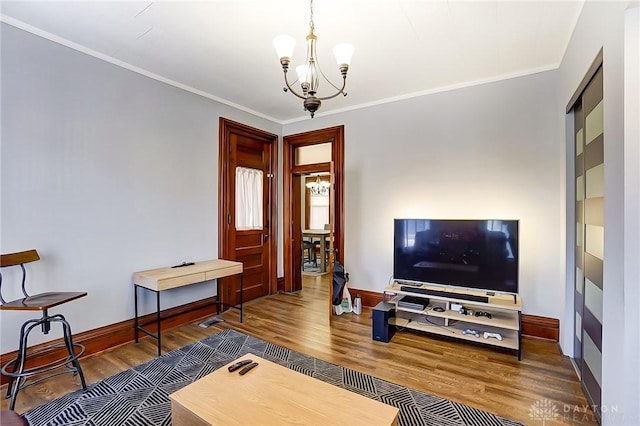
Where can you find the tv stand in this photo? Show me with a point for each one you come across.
(500, 321)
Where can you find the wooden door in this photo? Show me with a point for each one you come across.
(296, 234)
(243, 146)
(332, 238)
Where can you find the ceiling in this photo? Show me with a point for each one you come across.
(222, 49)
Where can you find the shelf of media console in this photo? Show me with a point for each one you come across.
(505, 318)
(499, 319)
(510, 302)
(509, 340)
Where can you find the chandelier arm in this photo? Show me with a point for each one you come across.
(286, 81)
(340, 91)
(329, 81)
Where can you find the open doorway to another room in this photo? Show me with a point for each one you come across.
(307, 157)
(316, 223)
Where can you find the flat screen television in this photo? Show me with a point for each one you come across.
(475, 254)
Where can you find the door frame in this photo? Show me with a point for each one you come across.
(335, 136)
(226, 127)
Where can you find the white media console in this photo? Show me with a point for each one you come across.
(437, 316)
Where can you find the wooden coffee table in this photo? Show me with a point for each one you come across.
(271, 394)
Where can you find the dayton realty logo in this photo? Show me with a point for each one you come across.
(543, 410)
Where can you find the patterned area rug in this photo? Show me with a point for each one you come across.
(140, 396)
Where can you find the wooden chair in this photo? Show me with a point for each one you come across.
(17, 369)
(308, 252)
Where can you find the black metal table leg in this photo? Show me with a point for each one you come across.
(139, 327)
(241, 293)
(218, 297)
(135, 304)
(158, 320)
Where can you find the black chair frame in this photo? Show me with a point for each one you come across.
(20, 375)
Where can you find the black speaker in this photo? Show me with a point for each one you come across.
(381, 331)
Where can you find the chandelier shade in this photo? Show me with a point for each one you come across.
(309, 74)
(284, 45)
(343, 53)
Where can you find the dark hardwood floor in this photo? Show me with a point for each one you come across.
(476, 375)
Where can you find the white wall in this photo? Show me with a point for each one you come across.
(602, 25)
(104, 172)
(489, 151)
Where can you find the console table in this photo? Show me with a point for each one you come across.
(161, 279)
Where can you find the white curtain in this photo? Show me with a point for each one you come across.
(248, 198)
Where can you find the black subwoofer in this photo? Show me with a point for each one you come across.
(381, 331)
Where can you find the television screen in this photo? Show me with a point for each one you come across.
(477, 254)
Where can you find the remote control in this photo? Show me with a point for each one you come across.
(239, 364)
(183, 264)
(471, 331)
(496, 335)
(246, 369)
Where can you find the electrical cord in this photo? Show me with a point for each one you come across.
(439, 325)
(398, 328)
(426, 318)
(402, 328)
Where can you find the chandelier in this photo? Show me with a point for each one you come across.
(309, 74)
(319, 187)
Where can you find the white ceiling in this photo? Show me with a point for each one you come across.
(222, 49)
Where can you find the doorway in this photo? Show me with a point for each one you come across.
(315, 218)
(295, 168)
(247, 159)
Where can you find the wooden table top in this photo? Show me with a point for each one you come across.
(168, 277)
(316, 232)
(272, 394)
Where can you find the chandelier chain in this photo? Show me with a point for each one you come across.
(312, 26)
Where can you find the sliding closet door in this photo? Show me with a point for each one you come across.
(589, 125)
(579, 252)
(593, 237)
